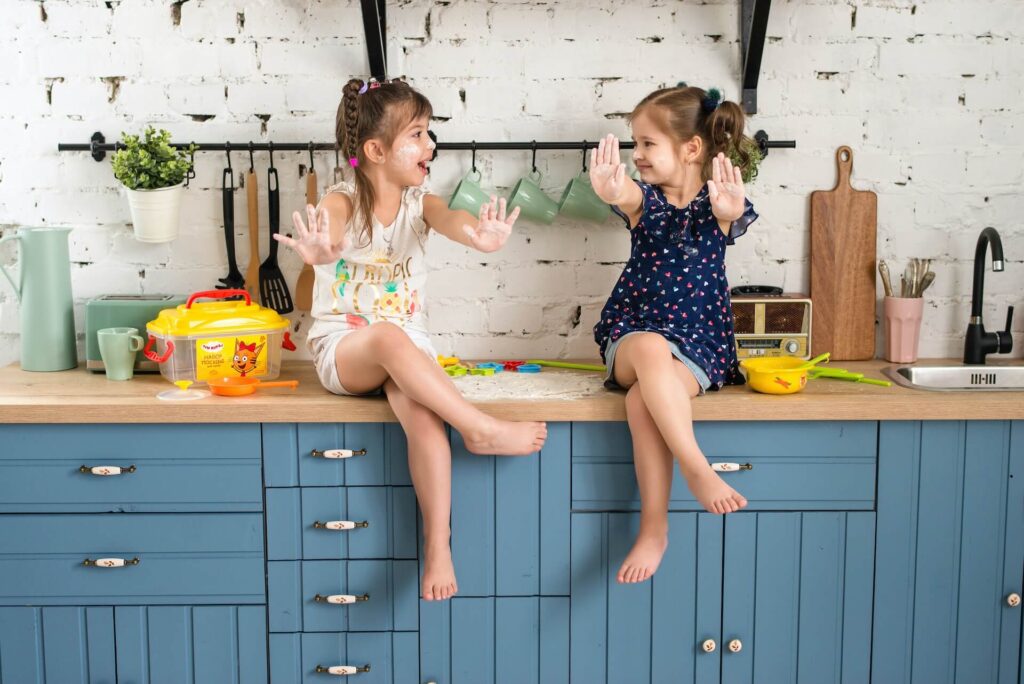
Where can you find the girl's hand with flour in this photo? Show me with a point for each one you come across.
(607, 172)
(725, 189)
(314, 244)
(493, 227)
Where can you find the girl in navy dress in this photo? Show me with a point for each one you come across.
(666, 332)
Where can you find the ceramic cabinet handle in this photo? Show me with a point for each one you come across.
(1013, 600)
(340, 525)
(709, 646)
(337, 453)
(730, 467)
(109, 562)
(735, 645)
(106, 470)
(341, 599)
(343, 670)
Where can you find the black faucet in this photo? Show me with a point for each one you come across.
(978, 342)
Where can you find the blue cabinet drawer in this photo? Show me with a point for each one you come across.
(71, 468)
(784, 466)
(183, 558)
(379, 658)
(303, 595)
(341, 522)
(335, 454)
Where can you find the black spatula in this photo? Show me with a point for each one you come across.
(274, 292)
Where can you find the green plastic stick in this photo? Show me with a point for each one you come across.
(573, 366)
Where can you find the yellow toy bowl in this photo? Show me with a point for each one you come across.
(776, 376)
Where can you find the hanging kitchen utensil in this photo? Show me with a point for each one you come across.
(233, 280)
(274, 292)
(304, 285)
(252, 273)
(843, 234)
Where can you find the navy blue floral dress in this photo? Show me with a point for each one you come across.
(674, 283)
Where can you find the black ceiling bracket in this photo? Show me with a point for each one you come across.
(375, 28)
(753, 27)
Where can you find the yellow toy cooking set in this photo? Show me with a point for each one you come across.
(222, 339)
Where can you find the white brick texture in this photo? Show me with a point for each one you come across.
(927, 94)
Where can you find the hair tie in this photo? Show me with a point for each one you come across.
(353, 162)
(711, 100)
(372, 83)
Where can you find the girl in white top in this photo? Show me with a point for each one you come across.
(366, 241)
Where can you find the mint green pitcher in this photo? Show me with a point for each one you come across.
(44, 291)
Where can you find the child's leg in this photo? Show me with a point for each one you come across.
(666, 386)
(653, 462)
(430, 464)
(365, 359)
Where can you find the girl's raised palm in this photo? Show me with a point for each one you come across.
(314, 244)
(493, 227)
(607, 172)
(725, 189)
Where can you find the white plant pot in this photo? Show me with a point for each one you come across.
(155, 213)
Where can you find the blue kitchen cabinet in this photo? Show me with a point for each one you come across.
(194, 644)
(756, 597)
(796, 597)
(950, 553)
(780, 592)
(495, 640)
(510, 520)
(887, 552)
(653, 631)
(370, 657)
(57, 644)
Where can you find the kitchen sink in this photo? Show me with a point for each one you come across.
(987, 378)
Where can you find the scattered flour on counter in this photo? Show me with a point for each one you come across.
(548, 384)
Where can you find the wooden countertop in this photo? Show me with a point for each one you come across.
(80, 396)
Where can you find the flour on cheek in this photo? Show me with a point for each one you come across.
(407, 156)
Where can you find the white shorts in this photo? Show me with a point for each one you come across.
(326, 365)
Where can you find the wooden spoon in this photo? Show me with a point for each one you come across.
(304, 286)
(252, 273)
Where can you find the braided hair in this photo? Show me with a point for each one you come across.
(367, 111)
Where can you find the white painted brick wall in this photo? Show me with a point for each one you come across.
(927, 93)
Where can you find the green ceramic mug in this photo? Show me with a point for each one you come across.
(580, 201)
(118, 347)
(468, 196)
(531, 200)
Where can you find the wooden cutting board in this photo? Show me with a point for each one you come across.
(843, 230)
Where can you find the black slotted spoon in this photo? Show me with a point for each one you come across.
(274, 292)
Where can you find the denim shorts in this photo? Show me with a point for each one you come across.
(691, 365)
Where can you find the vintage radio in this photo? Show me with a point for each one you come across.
(768, 325)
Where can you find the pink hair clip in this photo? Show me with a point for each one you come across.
(353, 162)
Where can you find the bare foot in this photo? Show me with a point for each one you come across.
(643, 559)
(506, 437)
(712, 492)
(438, 573)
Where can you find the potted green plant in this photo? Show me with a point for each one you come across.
(153, 173)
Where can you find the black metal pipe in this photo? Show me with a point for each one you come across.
(102, 147)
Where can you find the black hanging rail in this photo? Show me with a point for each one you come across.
(98, 146)
(753, 27)
(375, 30)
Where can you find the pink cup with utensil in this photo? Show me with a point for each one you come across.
(902, 328)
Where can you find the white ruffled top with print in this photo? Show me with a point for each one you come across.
(378, 279)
